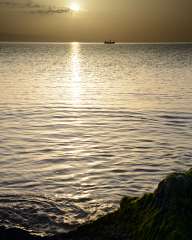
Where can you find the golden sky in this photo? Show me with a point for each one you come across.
(97, 20)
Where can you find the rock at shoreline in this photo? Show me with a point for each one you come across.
(165, 214)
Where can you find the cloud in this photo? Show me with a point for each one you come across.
(49, 10)
(9, 3)
(19, 4)
(33, 8)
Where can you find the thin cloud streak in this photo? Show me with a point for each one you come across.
(34, 8)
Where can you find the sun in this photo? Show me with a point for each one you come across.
(75, 7)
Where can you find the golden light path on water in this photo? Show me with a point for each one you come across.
(76, 74)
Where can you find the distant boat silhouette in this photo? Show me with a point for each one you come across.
(109, 42)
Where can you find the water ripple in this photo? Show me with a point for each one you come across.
(76, 138)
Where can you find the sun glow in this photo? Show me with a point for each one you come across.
(75, 7)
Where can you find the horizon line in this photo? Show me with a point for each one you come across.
(83, 42)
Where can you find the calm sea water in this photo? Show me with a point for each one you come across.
(82, 125)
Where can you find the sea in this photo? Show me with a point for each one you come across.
(82, 125)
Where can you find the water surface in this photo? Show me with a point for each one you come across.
(82, 125)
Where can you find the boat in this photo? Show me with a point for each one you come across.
(109, 42)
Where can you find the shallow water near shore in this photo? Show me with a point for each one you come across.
(82, 125)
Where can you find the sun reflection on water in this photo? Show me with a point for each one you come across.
(76, 73)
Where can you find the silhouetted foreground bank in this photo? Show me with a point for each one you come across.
(165, 214)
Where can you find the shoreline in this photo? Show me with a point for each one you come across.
(164, 214)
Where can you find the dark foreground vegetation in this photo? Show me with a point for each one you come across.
(165, 214)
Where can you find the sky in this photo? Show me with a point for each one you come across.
(97, 20)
